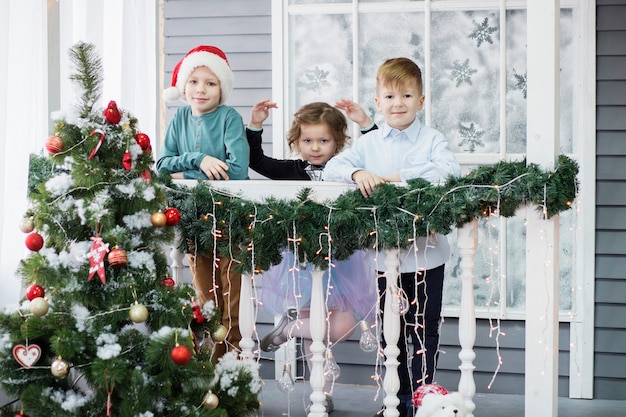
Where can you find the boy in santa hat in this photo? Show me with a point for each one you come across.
(206, 140)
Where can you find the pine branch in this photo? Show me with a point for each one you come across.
(88, 74)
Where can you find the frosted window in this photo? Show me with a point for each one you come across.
(465, 87)
(465, 73)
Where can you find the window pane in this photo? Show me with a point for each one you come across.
(568, 67)
(318, 1)
(377, 43)
(487, 270)
(516, 81)
(465, 72)
(321, 68)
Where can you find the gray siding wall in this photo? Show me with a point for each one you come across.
(241, 28)
(610, 311)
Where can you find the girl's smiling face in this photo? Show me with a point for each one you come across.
(316, 144)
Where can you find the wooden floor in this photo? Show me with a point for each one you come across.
(360, 401)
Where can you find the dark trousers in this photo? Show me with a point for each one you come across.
(424, 338)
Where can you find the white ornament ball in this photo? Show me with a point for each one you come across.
(138, 313)
(38, 306)
(210, 401)
(27, 225)
(60, 368)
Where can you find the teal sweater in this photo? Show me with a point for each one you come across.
(189, 138)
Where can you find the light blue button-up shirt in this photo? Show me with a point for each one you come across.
(416, 152)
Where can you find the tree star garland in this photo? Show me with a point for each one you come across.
(400, 212)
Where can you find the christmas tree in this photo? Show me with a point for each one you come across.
(102, 329)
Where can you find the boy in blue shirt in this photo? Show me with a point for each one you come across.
(400, 150)
(206, 140)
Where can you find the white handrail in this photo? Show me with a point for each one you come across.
(322, 191)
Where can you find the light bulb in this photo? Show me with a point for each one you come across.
(399, 302)
(331, 369)
(367, 342)
(286, 383)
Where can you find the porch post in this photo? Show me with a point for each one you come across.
(467, 241)
(317, 326)
(542, 243)
(246, 317)
(391, 330)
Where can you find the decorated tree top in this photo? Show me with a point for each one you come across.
(103, 330)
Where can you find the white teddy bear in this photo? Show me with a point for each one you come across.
(438, 405)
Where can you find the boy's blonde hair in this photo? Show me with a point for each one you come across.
(396, 72)
(319, 113)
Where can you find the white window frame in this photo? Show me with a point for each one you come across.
(581, 317)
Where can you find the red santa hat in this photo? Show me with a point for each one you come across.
(208, 56)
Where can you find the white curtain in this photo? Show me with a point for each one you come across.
(125, 35)
(23, 124)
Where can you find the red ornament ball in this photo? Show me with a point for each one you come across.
(168, 282)
(172, 216)
(181, 354)
(34, 242)
(34, 291)
(20, 415)
(142, 140)
(422, 390)
(117, 257)
(54, 144)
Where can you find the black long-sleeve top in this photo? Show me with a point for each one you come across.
(274, 169)
(280, 169)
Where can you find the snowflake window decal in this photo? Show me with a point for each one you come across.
(482, 32)
(316, 80)
(472, 136)
(462, 73)
(521, 81)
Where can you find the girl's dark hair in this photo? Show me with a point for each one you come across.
(319, 113)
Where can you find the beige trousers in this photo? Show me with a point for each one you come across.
(224, 289)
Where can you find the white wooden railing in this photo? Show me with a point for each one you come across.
(256, 190)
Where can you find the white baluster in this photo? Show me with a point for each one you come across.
(467, 240)
(391, 330)
(318, 331)
(246, 317)
(177, 259)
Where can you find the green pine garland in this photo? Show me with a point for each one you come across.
(392, 216)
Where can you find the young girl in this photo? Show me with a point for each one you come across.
(318, 133)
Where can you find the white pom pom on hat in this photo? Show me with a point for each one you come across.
(211, 57)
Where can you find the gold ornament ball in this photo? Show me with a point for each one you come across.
(38, 306)
(158, 219)
(219, 334)
(60, 368)
(27, 225)
(138, 313)
(210, 401)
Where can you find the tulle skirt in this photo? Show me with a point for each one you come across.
(351, 286)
